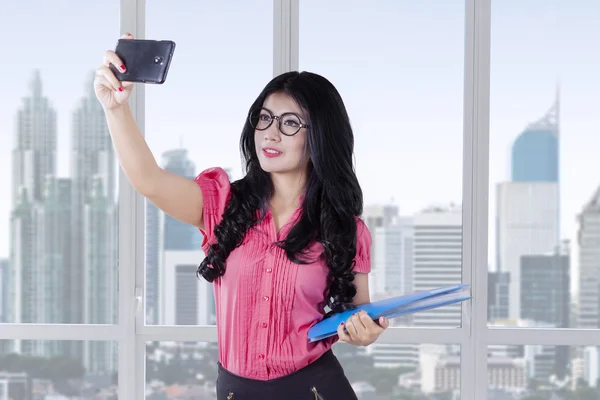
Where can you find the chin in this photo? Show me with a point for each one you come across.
(270, 168)
(273, 166)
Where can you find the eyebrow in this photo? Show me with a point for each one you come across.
(300, 114)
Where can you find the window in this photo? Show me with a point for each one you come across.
(473, 121)
(181, 369)
(223, 59)
(543, 242)
(59, 244)
(57, 369)
(59, 237)
(399, 69)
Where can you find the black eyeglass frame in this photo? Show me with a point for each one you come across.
(278, 118)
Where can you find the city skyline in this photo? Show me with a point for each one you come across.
(399, 68)
(553, 110)
(510, 113)
(180, 269)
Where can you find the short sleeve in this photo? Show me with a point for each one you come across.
(363, 248)
(216, 188)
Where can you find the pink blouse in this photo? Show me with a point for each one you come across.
(265, 303)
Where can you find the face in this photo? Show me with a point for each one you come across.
(279, 153)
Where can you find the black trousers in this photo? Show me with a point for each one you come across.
(324, 379)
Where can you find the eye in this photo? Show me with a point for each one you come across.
(264, 117)
(291, 121)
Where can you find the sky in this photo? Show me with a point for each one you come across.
(399, 66)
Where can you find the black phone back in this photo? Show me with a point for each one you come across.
(146, 61)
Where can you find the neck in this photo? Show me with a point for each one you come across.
(287, 189)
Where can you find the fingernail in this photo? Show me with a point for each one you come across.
(122, 68)
(342, 323)
(120, 89)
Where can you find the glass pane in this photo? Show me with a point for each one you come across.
(399, 68)
(58, 369)
(177, 370)
(58, 242)
(402, 371)
(543, 372)
(544, 226)
(223, 59)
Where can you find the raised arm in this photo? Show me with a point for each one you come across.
(177, 196)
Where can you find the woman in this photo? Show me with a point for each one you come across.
(281, 244)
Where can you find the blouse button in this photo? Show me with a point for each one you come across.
(269, 270)
(261, 356)
(264, 324)
(266, 298)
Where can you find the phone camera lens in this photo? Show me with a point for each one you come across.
(158, 60)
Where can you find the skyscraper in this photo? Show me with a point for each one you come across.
(528, 206)
(34, 162)
(437, 260)
(527, 225)
(63, 265)
(92, 275)
(4, 282)
(55, 251)
(588, 315)
(165, 233)
(546, 296)
(34, 154)
(535, 152)
(392, 260)
(152, 254)
(178, 235)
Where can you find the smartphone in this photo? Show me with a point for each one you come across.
(146, 61)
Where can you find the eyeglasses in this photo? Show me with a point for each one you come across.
(289, 123)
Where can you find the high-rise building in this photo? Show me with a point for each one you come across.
(391, 275)
(377, 216)
(4, 282)
(24, 268)
(165, 233)
(93, 272)
(63, 230)
(34, 164)
(527, 225)
(546, 297)
(152, 290)
(93, 171)
(528, 206)
(392, 263)
(545, 284)
(437, 260)
(588, 314)
(535, 152)
(34, 152)
(498, 295)
(185, 299)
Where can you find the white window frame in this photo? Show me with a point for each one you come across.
(473, 336)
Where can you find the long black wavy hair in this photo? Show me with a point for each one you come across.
(332, 198)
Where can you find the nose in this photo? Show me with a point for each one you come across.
(272, 132)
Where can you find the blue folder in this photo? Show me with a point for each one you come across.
(393, 307)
